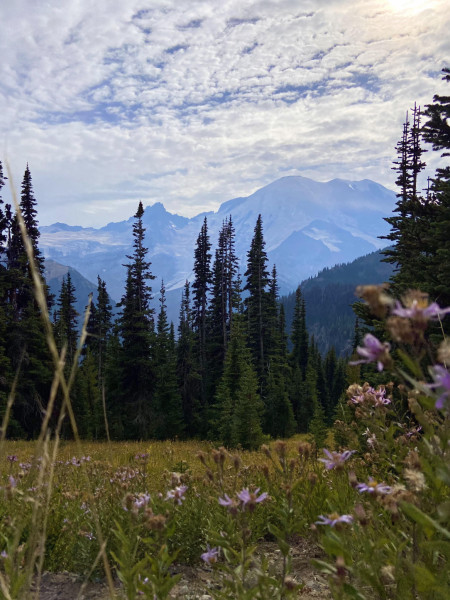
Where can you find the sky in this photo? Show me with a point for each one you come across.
(194, 102)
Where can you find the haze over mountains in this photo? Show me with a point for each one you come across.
(307, 226)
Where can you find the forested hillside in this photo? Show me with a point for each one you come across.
(329, 298)
(233, 372)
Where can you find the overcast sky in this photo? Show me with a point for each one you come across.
(192, 103)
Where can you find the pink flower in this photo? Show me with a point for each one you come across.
(335, 460)
(373, 351)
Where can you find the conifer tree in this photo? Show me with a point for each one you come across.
(317, 427)
(66, 323)
(225, 301)
(25, 342)
(413, 213)
(437, 132)
(279, 420)
(2, 216)
(136, 329)
(299, 335)
(257, 301)
(167, 411)
(238, 409)
(189, 379)
(200, 286)
(5, 365)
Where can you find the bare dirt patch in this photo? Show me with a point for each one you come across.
(196, 581)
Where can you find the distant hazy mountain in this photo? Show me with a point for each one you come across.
(307, 226)
(54, 273)
(329, 296)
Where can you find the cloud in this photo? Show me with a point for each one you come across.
(194, 103)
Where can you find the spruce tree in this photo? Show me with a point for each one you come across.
(413, 213)
(136, 329)
(238, 408)
(257, 302)
(299, 335)
(437, 132)
(189, 379)
(167, 410)
(25, 342)
(200, 287)
(2, 217)
(225, 300)
(66, 323)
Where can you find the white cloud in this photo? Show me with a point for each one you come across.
(193, 103)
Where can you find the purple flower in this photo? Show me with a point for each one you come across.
(372, 351)
(335, 460)
(417, 310)
(251, 499)
(441, 380)
(12, 458)
(334, 519)
(177, 494)
(210, 556)
(372, 487)
(4, 554)
(141, 501)
(226, 501)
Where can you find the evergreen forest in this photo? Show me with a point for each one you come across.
(231, 371)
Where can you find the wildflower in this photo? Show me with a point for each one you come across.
(372, 487)
(371, 438)
(4, 554)
(177, 494)
(373, 351)
(414, 432)
(334, 519)
(251, 499)
(226, 501)
(141, 501)
(210, 556)
(335, 460)
(441, 380)
(418, 309)
(12, 458)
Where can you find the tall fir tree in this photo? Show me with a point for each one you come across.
(413, 212)
(299, 335)
(437, 132)
(189, 378)
(167, 411)
(66, 320)
(136, 329)
(200, 287)
(25, 341)
(257, 303)
(238, 407)
(225, 300)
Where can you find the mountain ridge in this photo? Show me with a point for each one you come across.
(351, 216)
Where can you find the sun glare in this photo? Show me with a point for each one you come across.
(410, 6)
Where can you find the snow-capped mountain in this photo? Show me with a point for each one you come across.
(307, 225)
